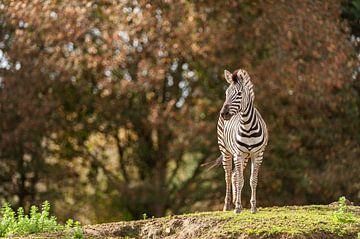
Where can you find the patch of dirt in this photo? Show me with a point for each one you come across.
(184, 228)
(175, 227)
(347, 203)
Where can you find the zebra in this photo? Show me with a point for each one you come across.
(242, 135)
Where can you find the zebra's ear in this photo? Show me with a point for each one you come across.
(228, 76)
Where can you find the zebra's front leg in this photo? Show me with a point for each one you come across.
(227, 165)
(255, 166)
(239, 183)
(233, 180)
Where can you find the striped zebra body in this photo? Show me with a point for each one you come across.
(242, 135)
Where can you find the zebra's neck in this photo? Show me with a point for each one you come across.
(248, 113)
(248, 116)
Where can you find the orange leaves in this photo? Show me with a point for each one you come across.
(331, 47)
(154, 69)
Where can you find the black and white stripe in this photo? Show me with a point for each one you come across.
(242, 135)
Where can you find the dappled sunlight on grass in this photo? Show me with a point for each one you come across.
(290, 220)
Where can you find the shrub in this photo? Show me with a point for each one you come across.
(19, 223)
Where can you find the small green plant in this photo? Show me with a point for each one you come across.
(12, 223)
(7, 219)
(144, 216)
(73, 229)
(342, 215)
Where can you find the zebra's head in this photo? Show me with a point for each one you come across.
(238, 94)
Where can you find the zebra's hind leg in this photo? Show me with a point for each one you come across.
(255, 166)
(239, 181)
(227, 165)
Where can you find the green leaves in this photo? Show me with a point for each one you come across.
(342, 215)
(7, 219)
(12, 223)
(73, 229)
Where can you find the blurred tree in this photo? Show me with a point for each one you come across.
(351, 12)
(303, 83)
(23, 106)
(112, 84)
(109, 109)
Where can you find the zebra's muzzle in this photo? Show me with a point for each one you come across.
(225, 112)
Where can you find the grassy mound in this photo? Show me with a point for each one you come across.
(275, 222)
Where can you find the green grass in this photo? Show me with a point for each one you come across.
(315, 221)
(19, 224)
(292, 220)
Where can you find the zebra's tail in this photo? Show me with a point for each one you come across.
(214, 163)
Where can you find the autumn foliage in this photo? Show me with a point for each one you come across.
(108, 108)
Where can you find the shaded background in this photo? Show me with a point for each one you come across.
(108, 108)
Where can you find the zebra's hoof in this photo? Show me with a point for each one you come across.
(238, 210)
(227, 208)
(253, 210)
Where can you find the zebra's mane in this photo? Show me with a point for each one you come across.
(242, 77)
